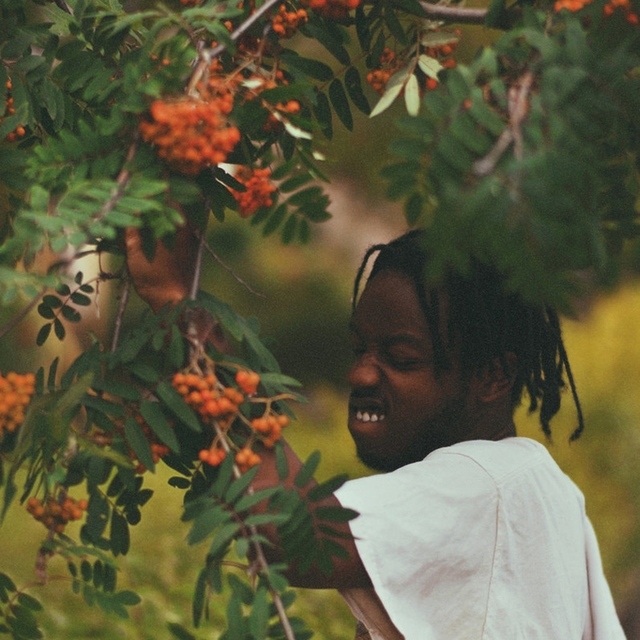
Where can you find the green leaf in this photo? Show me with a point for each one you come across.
(340, 103)
(155, 418)
(119, 534)
(322, 112)
(138, 442)
(354, 89)
(173, 400)
(199, 597)
(327, 488)
(239, 486)
(313, 68)
(223, 537)
(259, 616)
(43, 334)
(305, 474)
(25, 600)
(207, 522)
(179, 632)
(282, 465)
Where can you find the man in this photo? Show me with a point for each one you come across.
(472, 532)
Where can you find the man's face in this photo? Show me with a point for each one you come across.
(399, 409)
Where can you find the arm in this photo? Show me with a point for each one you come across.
(166, 280)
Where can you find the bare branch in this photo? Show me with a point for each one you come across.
(450, 13)
(518, 108)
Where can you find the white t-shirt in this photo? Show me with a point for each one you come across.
(482, 540)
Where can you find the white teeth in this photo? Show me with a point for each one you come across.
(365, 416)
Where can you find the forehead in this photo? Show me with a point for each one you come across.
(389, 304)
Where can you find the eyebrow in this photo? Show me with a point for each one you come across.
(397, 338)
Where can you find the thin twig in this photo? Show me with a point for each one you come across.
(124, 299)
(232, 272)
(208, 55)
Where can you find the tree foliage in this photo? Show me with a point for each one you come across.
(120, 115)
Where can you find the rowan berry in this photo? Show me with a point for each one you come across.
(259, 190)
(332, 9)
(246, 458)
(16, 391)
(248, 381)
(213, 456)
(286, 23)
(56, 514)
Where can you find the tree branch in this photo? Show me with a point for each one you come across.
(450, 13)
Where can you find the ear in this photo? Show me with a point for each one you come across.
(495, 379)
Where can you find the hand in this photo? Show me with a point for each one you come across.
(168, 277)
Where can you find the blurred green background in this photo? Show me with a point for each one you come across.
(303, 309)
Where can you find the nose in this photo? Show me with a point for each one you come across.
(364, 372)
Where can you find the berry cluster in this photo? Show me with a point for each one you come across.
(216, 402)
(625, 7)
(442, 53)
(259, 190)
(16, 391)
(286, 23)
(10, 110)
(208, 397)
(570, 5)
(388, 65)
(269, 428)
(332, 9)
(192, 133)
(56, 514)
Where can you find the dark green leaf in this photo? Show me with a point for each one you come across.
(25, 600)
(70, 314)
(322, 112)
(275, 220)
(180, 632)
(155, 418)
(327, 488)
(310, 67)
(119, 534)
(340, 103)
(199, 597)
(43, 334)
(354, 89)
(138, 442)
(289, 229)
(173, 400)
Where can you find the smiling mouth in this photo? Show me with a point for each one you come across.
(369, 416)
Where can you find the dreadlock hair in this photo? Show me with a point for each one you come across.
(488, 321)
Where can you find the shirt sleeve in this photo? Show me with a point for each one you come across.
(426, 535)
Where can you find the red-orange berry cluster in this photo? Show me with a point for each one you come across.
(388, 65)
(625, 7)
(10, 110)
(213, 456)
(332, 9)
(246, 458)
(269, 428)
(570, 5)
(206, 396)
(16, 391)
(259, 190)
(286, 23)
(56, 514)
(191, 134)
(248, 381)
